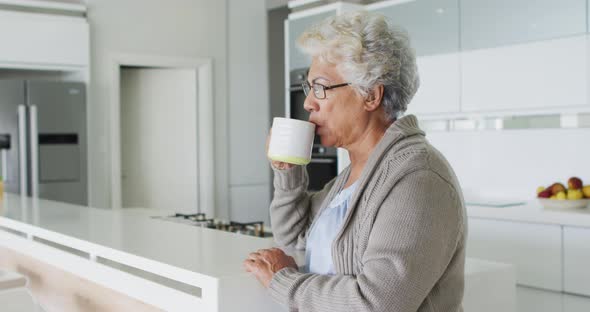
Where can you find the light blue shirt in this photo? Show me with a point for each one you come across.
(318, 249)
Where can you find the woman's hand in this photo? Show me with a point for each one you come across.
(277, 164)
(266, 262)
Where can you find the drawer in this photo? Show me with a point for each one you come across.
(533, 249)
(576, 249)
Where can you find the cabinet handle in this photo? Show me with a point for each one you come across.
(34, 137)
(22, 150)
(323, 160)
(3, 159)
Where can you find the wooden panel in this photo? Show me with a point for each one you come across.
(57, 290)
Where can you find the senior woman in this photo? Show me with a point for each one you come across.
(388, 233)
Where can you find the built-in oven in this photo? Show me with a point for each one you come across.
(296, 94)
(323, 166)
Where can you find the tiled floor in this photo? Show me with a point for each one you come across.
(535, 300)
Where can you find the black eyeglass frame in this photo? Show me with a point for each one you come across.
(307, 87)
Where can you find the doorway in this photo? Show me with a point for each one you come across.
(163, 144)
(159, 138)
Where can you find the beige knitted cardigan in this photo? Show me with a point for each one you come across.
(402, 243)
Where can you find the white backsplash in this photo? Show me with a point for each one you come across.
(513, 163)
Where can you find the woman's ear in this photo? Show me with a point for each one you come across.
(374, 97)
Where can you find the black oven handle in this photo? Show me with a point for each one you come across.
(297, 88)
(323, 160)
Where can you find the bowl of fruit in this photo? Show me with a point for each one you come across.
(557, 196)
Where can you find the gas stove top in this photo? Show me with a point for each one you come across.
(200, 219)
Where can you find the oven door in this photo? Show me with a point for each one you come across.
(297, 100)
(321, 171)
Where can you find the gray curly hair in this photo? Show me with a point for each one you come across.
(368, 52)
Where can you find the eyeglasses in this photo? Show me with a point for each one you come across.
(319, 90)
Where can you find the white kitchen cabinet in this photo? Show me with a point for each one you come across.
(486, 24)
(248, 89)
(295, 25)
(539, 75)
(534, 249)
(40, 41)
(537, 300)
(433, 25)
(575, 303)
(250, 203)
(297, 59)
(298, 22)
(439, 90)
(532, 299)
(576, 248)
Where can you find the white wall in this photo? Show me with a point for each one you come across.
(184, 28)
(234, 34)
(513, 163)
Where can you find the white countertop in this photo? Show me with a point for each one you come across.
(209, 252)
(533, 212)
(194, 255)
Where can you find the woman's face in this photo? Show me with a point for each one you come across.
(339, 117)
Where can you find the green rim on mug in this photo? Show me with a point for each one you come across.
(291, 159)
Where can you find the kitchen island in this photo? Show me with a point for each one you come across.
(171, 266)
(547, 246)
(531, 211)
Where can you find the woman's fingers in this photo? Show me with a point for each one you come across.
(254, 255)
(254, 263)
(264, 263)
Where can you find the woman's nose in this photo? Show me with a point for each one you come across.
(310, 104)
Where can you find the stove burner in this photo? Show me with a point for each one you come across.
(200, 219)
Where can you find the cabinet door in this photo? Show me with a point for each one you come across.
(34, 40)
(537, 300)
(249, 203)
(433, 25)
(576, 260)
(575, 303)
(533, 249)
(539, 75)
(439, 89)
(248, 79)
(295, 28)
(486, 23)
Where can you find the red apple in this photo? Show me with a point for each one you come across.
(574, 183)
(544, 194)
(556, 188)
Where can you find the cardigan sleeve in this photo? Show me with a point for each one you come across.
(293, 208)
(414, 236)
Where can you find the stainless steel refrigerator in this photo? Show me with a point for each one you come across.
(43, 139)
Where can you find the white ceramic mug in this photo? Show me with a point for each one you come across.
(291, 141)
